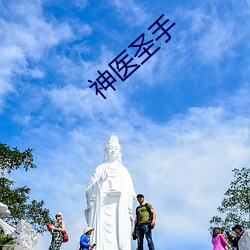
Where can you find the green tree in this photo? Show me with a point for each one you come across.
(235, 206)
(17, 199)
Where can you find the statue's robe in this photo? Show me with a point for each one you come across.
(110, 197)
(244, 242)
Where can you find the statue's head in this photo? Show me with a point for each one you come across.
(113, 150)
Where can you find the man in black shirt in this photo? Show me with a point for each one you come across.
(239, 231)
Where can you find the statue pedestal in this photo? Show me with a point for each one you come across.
(13, 247)
(244, 242)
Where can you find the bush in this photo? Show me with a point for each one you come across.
(6, 240)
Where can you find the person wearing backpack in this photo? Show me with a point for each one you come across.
(144, 223)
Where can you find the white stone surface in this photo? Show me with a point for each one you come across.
(244, 242)
(110, 197)
(25, 235)
(4, 212)
(7, 229)
(14, 247)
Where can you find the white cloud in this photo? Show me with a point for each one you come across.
(80, 3)
(239, 101)
(217, 42)
(25, 39)
(77, 99)
(131, 12)
(32, 33)
(214, 36)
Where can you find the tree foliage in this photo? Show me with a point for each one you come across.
(235, 206)
(17, 199)
(12, 159)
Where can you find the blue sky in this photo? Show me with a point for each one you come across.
(182, 118)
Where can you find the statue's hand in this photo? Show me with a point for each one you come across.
(132, 217)
(90, 201)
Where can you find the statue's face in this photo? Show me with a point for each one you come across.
(113, 150)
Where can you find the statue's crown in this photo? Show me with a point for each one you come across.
(114, 138)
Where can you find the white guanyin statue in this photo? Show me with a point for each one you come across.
(110, 198)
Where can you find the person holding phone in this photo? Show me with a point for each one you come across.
(84, 240)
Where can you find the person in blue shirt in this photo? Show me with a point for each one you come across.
(84, 240)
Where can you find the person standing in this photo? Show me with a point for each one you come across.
(85, 239)
(218, 240)
(143, 225)
(56, 231)
(239, 231)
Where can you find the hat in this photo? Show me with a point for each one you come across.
(237, 227)
(140, 195)
(87, 229)
(59, 213)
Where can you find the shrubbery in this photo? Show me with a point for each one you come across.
(6, 240)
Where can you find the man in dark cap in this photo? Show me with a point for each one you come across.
(239, 231)
(144, 223)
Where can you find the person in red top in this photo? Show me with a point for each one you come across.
(218, 240)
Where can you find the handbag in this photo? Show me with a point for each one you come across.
(65, 236)
(49, 227)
